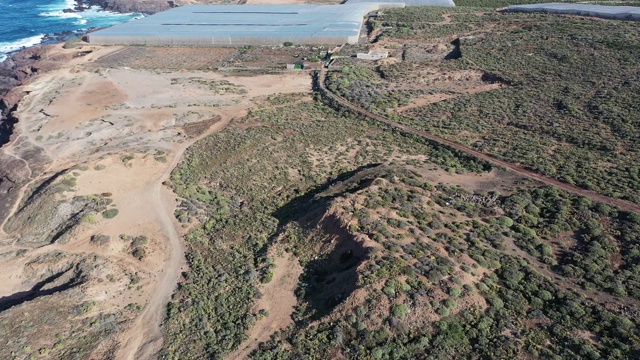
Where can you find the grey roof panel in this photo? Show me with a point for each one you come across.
(272, 23)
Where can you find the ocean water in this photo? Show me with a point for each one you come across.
(25, 23)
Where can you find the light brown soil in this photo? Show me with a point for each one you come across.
(426, 100)
(119, 118)
(167, 58)
(455, 83)
(496, 179)
(278, 299)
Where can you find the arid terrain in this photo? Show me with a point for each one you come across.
(95, 140)
(452, 200)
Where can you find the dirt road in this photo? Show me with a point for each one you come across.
(622, 204)
(278, 299)
(121, 131)
(145, 335)
(143, 340)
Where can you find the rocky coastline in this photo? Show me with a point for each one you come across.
(133, 6)
(17, 70)
(14, 72)
(21, 65)
(124, 6)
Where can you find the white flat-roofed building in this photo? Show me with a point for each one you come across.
(238, 25)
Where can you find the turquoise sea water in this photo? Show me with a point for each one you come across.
(25, 23)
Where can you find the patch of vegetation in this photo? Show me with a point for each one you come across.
(100, 239)
(569, 107)
(110, 214)
(127, 158)
(137, 245)
(160, 156)
(47, 335)
(73, 43)
(395, 267)
(421, 310)
(504, 3)
(590, 242)
(89, 218)
(68, 183)
(220, 87)
(234, 181)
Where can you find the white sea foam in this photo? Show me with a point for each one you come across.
(58, 7)
(56, 10)
(9, 47)
(61, 14)
(92, 13)
(93, 16)
(96, 12)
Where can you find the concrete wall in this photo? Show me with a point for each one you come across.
(373, 55)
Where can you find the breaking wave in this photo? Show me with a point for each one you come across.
(12, 46)
(23, 23)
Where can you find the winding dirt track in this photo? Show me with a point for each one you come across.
(622, 204)
(145, 336)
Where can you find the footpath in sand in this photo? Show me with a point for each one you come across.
(121, 132)
(278, 300)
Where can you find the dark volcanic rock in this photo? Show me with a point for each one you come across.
(13, 72)
(127, 6)
(17, 69)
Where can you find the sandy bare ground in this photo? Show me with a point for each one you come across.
(115, 122)
(496, 179)
(279, 299)
(435, 98)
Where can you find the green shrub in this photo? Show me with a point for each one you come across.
(505, 221)
(89, 218)
(454, 292)
(110, 214)
(400, 311)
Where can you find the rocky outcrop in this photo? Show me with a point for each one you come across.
(128, 6)
(151, 6)
(23, 162)
(14, 72)
(43, 219)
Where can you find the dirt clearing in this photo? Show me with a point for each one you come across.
(278, 299)
(123, 131)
